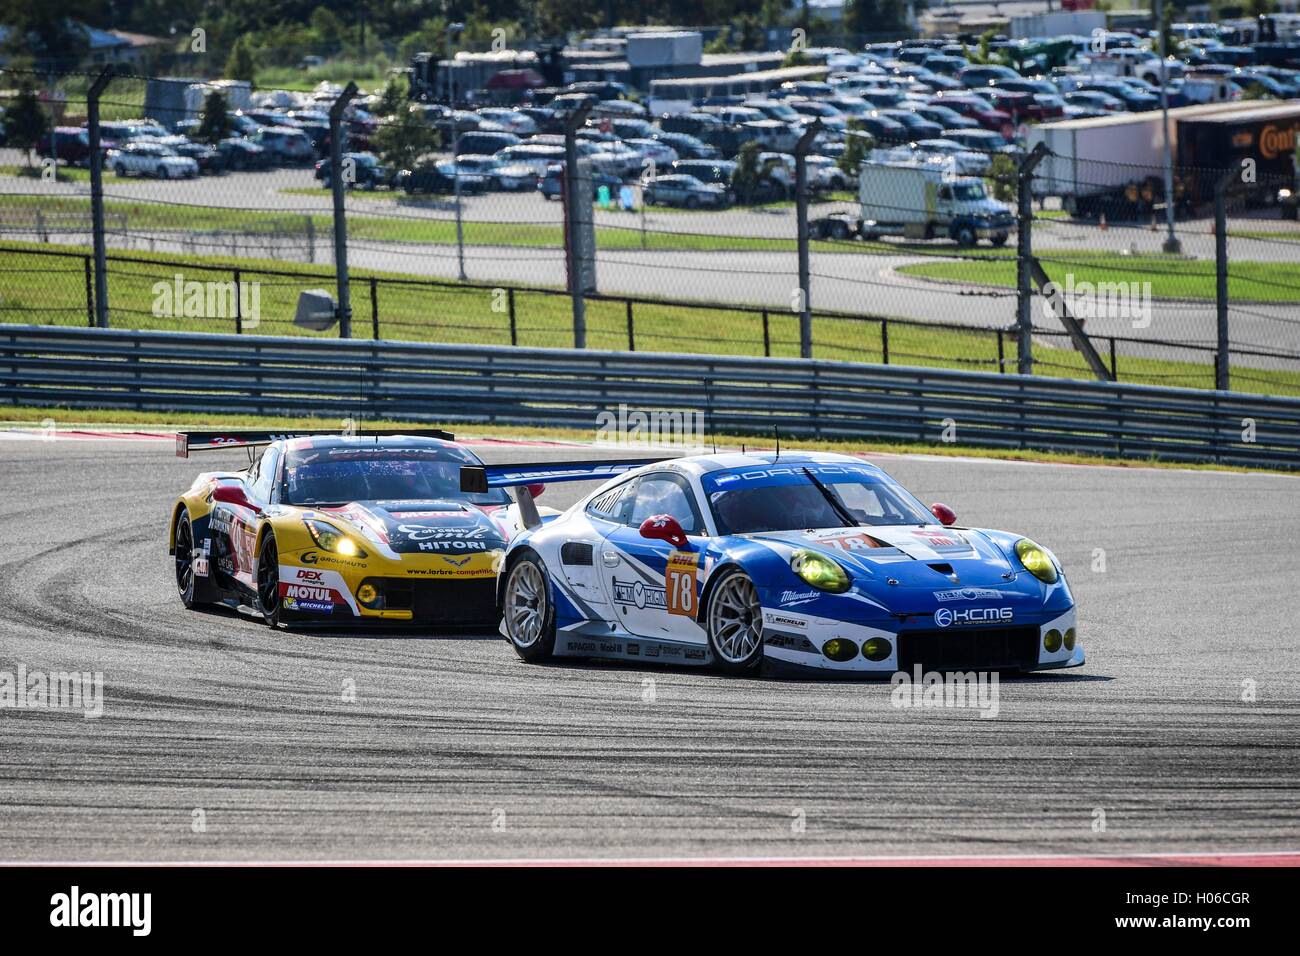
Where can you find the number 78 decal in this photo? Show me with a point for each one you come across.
(680, 582)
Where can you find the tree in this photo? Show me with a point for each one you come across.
(239, 65)
(403, 138)
(215, 124)
(858, 145)
(745, 177)
(395, 94)
(1003, 174)
(25, 121)
(46, 34)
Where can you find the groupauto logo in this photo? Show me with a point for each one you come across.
(947, 617)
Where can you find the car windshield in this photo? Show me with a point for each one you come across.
(320, 477)
(782, 497)
(969, 192)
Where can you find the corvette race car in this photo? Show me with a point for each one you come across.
(810, 563)
(369, 528)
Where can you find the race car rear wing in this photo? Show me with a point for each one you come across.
(187, 442)
(477, 479)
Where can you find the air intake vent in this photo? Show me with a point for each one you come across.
(575, 552)
(943, 568)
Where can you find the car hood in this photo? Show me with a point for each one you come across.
(927, 557)
(424, 527)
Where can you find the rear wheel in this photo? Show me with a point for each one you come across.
(183, 545)
(735, 624)
(268, 581)
(527, 610)
(998, 239)
(839, 230)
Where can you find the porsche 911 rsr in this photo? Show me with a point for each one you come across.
(342, 529)
(812, 563)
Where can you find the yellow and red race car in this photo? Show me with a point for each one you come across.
(342, 529)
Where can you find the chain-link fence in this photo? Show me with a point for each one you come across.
(913, 261)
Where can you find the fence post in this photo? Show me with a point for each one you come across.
(801, 216)
(884, 341)
(571, 244)
(510, 301)
(1024, 253)
(97, 195)
(631, 336)
(1002, 354)
(90, 294)
(239, 315)
(339, 188)
(1114, 364)
(767, 337)
(1221, 370)
(374, 308)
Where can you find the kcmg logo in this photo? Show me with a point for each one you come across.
(947, 617)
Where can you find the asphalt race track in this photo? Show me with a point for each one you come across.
(454, 749)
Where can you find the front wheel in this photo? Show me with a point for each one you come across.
(735, 624)
(527, 610)
(268, 581)
(999, 239)
(966, 236)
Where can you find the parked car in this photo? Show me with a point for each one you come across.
(286, 145)
(240, 154)
(685, 191)
(485, 143)
(150, 159)
(71, 146)
(503, 176)
(687, 146)
(439, 177)
(368, 172)
(966, 162)
(717, 171)
(514, 121)
(551, 183)
(945, 117)
(537, 156)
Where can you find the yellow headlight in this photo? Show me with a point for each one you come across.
(819, 571)
(366, 594)
(1036, 561)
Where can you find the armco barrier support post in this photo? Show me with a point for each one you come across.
(801, 216)
(1024, 255)
(97, 195)
(1221, 369)
(577, 119)
(339, 188)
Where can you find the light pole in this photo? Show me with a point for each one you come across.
(452, 30)
(1171, 244)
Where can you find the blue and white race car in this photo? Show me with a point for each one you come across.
(792, 562)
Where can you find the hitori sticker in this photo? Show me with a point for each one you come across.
(679, 583)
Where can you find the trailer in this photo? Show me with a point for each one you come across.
(1114, 164)
(1261, 139)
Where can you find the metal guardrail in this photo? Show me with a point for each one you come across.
(175, 371)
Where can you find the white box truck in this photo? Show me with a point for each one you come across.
(920, 201)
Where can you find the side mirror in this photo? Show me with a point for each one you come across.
(664, 528)
(536, 489)
(232, 495)
(945, 514)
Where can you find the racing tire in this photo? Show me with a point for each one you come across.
(183, 545)
(268, 581)
(527, 610)
(734, 624)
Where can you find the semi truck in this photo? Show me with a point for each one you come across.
(1114, 164)
(920, 201)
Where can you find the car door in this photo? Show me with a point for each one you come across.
(653, 585)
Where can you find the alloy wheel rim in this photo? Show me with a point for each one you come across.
(525, 604)
(184, 557)
(736, 619)
(268, 577)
